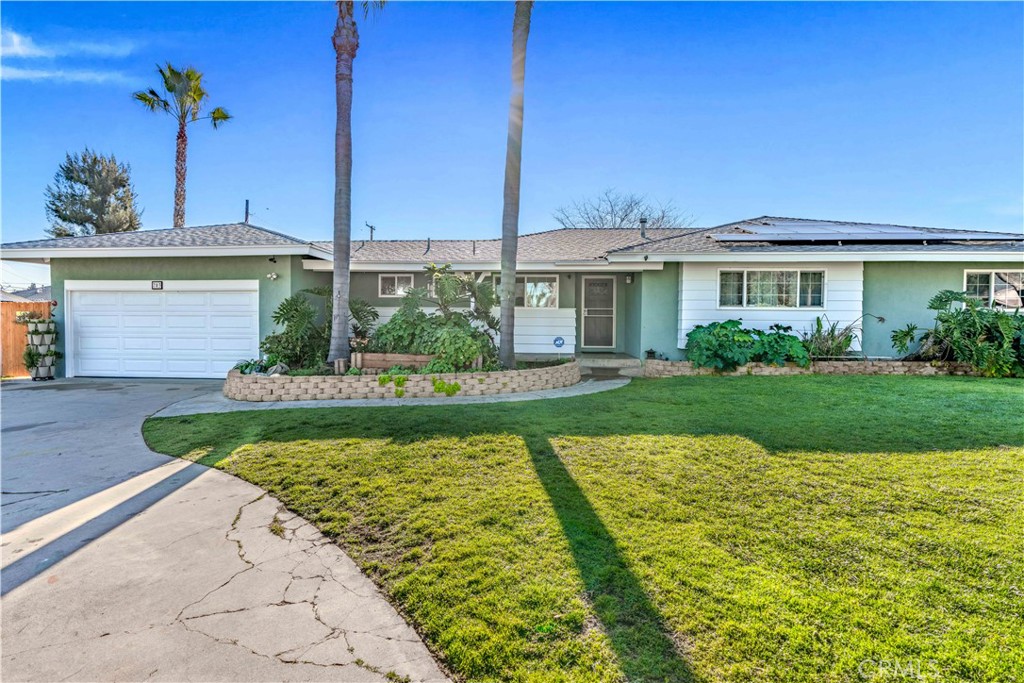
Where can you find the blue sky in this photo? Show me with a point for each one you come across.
(907, 113)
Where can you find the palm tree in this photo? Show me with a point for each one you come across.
(184, 99)
(346, 44)
(513, 170)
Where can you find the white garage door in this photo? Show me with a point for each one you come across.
(189, 329)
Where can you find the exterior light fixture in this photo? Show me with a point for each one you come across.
(629, 278)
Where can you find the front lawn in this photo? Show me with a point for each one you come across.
(703, 528)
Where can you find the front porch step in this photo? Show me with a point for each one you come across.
(610, 366)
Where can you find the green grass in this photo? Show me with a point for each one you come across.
(706, 528)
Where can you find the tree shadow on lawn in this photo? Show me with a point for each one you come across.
(637, 632)
(854, 415)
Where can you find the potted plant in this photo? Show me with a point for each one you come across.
(32, 358)
(36, 339)
(51, 357)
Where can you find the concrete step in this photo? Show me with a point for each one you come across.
(609, 366)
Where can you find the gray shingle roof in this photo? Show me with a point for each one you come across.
(565, 244)
(702, 242)
(39, 293)
(224, 235)
(13, 298)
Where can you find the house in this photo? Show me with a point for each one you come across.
(35, 293)
(190, 302)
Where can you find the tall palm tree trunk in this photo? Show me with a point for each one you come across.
(513, 171)
(346, 43)
(180, 167)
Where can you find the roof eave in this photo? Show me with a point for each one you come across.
(46, 254)
(796, 257)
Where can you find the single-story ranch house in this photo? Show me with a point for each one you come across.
(191, 302)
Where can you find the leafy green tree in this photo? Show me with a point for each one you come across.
(346, 44)
(184, 100)
(91, 194)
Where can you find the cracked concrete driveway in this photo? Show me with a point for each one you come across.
(149, 568)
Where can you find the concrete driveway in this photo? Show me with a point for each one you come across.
(122, 564)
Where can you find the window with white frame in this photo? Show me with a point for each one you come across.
(771, 289)
(534, 291)
(393, 286)
(998, 289)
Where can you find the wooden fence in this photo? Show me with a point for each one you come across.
(12, 335)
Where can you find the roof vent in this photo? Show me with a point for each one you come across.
(428, 246)
(643, 227)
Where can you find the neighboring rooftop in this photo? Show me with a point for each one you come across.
(11, 297)
(35, 293)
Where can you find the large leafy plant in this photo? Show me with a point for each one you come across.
(777, 346)
(722, 346)
(725, 346)
(966, 331)
(461, 329)
(304, 319)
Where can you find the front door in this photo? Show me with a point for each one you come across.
(598, 312)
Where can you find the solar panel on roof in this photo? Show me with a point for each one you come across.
(814, 231)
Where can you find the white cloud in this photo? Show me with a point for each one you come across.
(14, 44)
(13, 73)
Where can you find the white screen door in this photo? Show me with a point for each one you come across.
(598, 312)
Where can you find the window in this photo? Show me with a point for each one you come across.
(534, 291)
(771, 288)
(999, 289)
(393, 286)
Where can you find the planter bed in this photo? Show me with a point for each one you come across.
(323, 387)
(667, 368)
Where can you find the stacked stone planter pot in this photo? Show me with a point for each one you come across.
(42, 347)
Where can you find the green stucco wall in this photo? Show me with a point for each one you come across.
(659, 319)
(899, 292)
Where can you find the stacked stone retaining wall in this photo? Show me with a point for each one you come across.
(287, 388)
(667, 368)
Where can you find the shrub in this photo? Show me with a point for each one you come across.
(306, 320)
(438, 366)
(311, 372)
(828, 340)
(989, 340)
(777, 345)
(456, 337)
(727, 345)
(723, 346)
(354, 371)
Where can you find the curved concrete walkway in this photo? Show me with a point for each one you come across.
(216, 402)
(167, 570)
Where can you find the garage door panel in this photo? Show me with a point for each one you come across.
(238, 346)
(94, 321)
(143, 299)
(99, 366)
(186, 299)
(98, 343)
(137, 320)
(96, 298)
(188, 322)
(162, 333)
(232, 322)
(243, 300)
(142, 343)
(188, 344)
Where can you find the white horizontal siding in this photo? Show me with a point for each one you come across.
(536, 328)
(698, 297)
